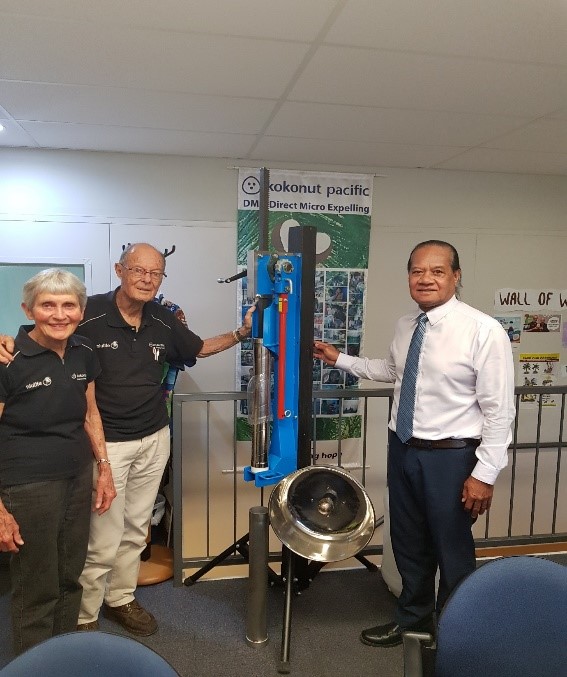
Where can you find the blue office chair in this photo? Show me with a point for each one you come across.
(506, 619)
(89, 654)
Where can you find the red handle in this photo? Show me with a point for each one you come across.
(282, 308)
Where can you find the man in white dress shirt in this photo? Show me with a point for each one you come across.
(442, 477)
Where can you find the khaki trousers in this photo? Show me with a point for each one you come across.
(118, 537)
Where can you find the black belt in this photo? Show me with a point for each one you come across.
(448, 443)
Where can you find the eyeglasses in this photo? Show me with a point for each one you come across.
(139, 273)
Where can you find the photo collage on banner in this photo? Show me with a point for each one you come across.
(339, 318)
(339, 207)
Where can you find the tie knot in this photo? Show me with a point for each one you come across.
(422, 318)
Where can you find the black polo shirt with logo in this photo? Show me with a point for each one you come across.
(42, 434)
(128, 391)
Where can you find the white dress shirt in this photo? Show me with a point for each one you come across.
(465, 383)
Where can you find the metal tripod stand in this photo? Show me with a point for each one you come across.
(240, 547)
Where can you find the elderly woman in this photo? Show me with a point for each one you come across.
(49, 429)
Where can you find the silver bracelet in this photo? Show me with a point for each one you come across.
(102, 460)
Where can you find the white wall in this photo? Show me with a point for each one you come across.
(117, 185)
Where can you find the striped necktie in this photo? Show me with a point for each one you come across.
(406, 406)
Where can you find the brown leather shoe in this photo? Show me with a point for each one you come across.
(86, 627)
(132, 617)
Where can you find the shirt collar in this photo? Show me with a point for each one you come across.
(439, 312)
(28, 347)
(114, 317)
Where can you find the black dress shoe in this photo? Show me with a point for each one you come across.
(390, 634)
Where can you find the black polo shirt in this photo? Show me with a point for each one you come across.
(42, 434)
(128, 391)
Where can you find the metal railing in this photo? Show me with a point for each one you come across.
(206, 471)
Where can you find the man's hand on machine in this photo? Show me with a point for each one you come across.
(325, 352)
(6, 349)
(247, 324)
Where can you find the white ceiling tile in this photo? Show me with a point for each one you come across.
(402, 80)
(385, 125)
(548, 136)
(350, 153)
(292, 19)
(496, 160)
(146, 59)
(514, 30)
(135, 108)
(127, 140)
(393, 82)
(15, 135)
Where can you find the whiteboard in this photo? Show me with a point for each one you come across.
(54, 242)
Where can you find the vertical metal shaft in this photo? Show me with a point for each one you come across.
(288, 573)
(260, 406)
(303, 239)
(264, 211)
(256, 617)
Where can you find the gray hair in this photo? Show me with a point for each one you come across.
(54, 281)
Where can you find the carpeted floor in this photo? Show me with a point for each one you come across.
(202, 627)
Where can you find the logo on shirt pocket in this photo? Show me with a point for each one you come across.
(156, 349)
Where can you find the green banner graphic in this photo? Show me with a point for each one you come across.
(339, 207)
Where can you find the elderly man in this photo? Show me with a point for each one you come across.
(134, 336)
(450, 428)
